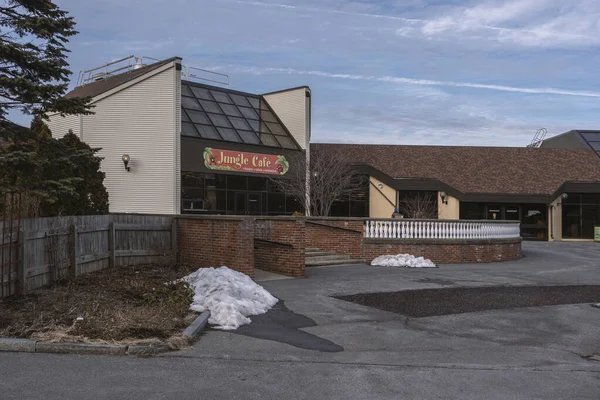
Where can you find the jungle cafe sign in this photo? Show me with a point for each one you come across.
(240, 161)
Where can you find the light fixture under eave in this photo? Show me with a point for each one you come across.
(126, 160)
(444, 197)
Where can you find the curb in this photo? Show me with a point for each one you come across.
(197, 326)
(33, 346)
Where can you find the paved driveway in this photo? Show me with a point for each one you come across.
(503, 354)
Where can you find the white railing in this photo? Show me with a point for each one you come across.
(431, 229)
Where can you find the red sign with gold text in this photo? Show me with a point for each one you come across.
(241, 161)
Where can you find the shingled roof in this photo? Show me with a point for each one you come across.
(483, 170)
(96, 88)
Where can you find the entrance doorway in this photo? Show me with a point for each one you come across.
(247, 203)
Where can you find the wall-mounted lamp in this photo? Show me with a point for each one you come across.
(563, 197)
(444, 197)
(380, 185)
(126, 160)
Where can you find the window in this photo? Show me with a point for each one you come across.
(580, 213)
(198, 117)
(204, 193)
(190, 103)
(221, 108)
(221, 97)
(418, 204)
(357, 204)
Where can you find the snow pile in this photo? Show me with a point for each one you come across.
(229, 295)
(403, 260)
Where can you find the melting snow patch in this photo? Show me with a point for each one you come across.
(403, 260)
(229, 295)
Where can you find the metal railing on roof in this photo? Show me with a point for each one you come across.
(132, 62)
(187, 73)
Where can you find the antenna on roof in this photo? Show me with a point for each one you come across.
(538, 138)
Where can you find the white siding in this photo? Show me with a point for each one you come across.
(140, 121)
(61, 125)
(291, 107)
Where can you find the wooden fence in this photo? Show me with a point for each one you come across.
(51, 249)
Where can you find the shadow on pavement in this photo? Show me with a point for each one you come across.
(280, 324)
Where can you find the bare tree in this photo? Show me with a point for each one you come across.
(332, 179)
(420, 205)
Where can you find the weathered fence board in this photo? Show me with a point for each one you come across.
(52, 249)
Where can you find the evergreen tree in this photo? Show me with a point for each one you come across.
(33, 68)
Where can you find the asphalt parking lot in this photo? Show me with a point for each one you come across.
(515, 353)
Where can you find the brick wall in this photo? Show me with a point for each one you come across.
(213, 242)
(345, 235)
(455, 252)
(337, 235)
(279, 246)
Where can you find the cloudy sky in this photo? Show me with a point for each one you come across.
(381, 71)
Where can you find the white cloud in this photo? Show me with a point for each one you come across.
(409, 81)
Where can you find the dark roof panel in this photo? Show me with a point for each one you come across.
(486, 170)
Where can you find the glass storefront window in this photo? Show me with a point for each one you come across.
(533, 217)
(209, 193)
(580, 213)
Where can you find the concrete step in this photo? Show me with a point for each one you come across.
(317, 253)
(311, 263)
(328, 257)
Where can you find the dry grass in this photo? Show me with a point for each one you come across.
(127, 305)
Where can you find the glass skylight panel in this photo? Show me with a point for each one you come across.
(253, 124)
(249, 137)
(254, 101)
(286, 142)
(198, 117)
(239, 123)
(264, 128)
(229, 135)
(248, 112)
(276, 129)
(231, 110)
(208, 132)
(187, 129)
(219, 120)
(268, 116)
(269, 140)
(185, 91)
(221, 96)
(201, 93)
(190, 102)
(595, 145)
(211, 106)
(591, 136)
(240, 100)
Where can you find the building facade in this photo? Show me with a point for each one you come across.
(190, 147)
(200, 148)
(554, 193)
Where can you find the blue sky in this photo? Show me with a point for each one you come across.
(394, 72)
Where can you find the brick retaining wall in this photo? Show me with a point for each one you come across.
(213, 242)
(279, 246)
(345, 235)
